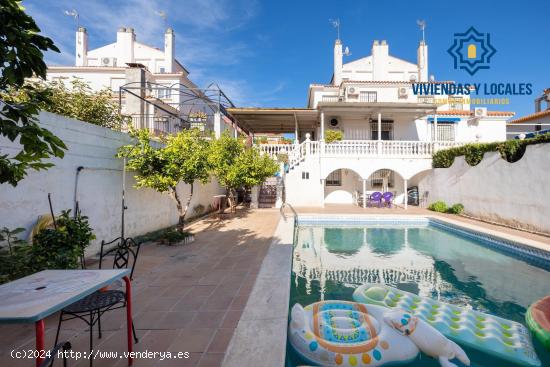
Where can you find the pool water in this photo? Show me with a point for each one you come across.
(330, 261)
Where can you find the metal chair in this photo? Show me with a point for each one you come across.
(52, 354)
(89, 309)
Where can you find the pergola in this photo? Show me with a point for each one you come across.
(276, 120)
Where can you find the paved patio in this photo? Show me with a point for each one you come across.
(188, 298)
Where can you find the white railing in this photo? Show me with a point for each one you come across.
(358, 148)
(274, 149)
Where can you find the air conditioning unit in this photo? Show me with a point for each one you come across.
(402, 92)
(480, 112)
(108, 61)
(351, 90)
(334, 122)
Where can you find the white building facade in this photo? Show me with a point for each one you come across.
(152, 86)
(389, 133)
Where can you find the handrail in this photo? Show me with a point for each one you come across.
(281, 210)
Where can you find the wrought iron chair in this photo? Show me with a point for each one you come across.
(89, 309)
(52, 354)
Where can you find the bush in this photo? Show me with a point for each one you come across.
(51, 248)
(438, 206)
(456, 209)
(333, 135)
(510, 150)
(63, 247)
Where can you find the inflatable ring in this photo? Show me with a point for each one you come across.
(340, 333)
(538, 320)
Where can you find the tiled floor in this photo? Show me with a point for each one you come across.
(186, 298)
(190, 298)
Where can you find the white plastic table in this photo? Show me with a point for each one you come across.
(33, 298)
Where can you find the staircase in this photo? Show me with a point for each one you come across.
(268, 193)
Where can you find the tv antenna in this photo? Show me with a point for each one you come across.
(73, 13)
(336, 24)
(422, 25)
(162, 14)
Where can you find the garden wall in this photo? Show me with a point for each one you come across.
(99, 185)
(517, 194)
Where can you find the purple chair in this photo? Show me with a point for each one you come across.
(375, 197)
(388, 197)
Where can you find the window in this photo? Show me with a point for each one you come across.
(335, 178)
(162, 70)
(305, 175)
(387, 130)
(377, 178)
(445, 131)
(163, 93)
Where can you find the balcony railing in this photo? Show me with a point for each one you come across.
(158, 125)
(359, 149)
(370, 97)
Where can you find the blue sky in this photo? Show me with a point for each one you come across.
(266, 53)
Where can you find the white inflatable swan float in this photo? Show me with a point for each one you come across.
(340, 333)
(430, 341)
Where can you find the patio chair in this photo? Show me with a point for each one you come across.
(388, 198)
(50, 357)
(89, 309)
(375, 197)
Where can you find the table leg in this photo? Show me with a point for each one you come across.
(129, 319)
(39, 329)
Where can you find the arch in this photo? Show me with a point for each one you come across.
(341, 186)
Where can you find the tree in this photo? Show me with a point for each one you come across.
(234, 165)
(183, 158)
(21, 57)
(78, 101)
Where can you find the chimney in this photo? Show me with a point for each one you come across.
(125, 38)
(81, 51)
(380, 59)
(337, 78)
(169, 50)
(422, 62)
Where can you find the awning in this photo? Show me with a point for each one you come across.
(276, 120)
(444, 119)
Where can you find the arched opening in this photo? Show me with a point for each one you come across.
(385, 180)
(418, 191)
(342, 186)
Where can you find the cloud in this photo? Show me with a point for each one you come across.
(205, 30)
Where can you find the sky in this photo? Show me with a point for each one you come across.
(266, 53)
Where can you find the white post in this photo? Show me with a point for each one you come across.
(364, 193)
(322, 137)
(296, 137)
(436, 138)
(405, 185)
(308, 144)
(379, 126)
(323, 192)
(255, 192)
(217, 125)
(379, 133)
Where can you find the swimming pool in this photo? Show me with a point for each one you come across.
(332, 257)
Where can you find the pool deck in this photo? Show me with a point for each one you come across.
(209, 297)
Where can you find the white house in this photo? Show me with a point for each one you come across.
(535, 123)
(153, 87)
(389, 133)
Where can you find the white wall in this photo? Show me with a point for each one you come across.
(512, 193)
(99, 185)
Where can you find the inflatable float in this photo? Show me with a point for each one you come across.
(340, 333)
(538, 320)
(493, 335)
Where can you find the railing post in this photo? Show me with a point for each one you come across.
(308, 144)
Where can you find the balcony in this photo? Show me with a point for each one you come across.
(358, 149)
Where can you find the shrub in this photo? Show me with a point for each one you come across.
(51, 248)
(456, 209)
(510, 150)
(198, 209)
(61, 247)
(333, 135)
(438, 206)
(282, 157)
